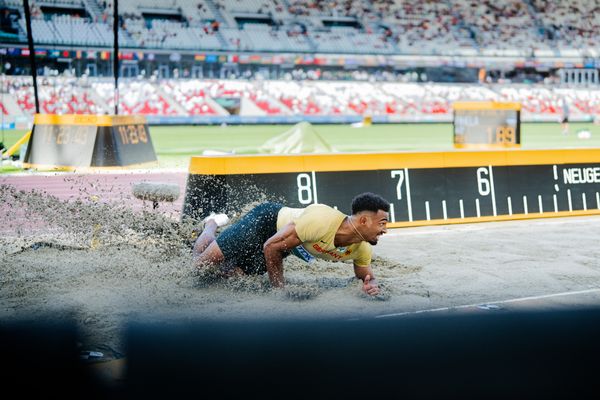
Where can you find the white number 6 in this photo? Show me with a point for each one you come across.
(483, 184)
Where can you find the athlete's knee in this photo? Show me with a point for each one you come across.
(201, 261)
(212, 255)
(201, 243)
(206, 237)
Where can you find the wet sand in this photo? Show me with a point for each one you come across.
(105, 263)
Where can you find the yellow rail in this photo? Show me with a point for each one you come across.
(265, 164)
(17, 145)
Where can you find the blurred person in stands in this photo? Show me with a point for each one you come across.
(565, 116)
(262, 238)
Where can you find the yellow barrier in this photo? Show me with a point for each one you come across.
(424, 188)
(17, 145)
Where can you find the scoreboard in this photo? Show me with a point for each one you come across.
(423, 188)
(80, 141)
(487, 124)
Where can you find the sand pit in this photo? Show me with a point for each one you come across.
(105, 264)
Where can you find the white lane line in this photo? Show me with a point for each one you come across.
(493, 190)
(408, 196)
(517, 300)
(314, 183)
(450, 229)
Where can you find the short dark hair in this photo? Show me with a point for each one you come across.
(369, 202)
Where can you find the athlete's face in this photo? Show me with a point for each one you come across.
(375, 225)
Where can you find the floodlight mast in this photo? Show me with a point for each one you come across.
(116, 53)
(31, 54)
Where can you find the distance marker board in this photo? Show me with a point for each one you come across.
(423, 188)
(486, 124)
(83, 141)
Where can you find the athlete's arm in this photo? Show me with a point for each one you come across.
(284, 240)
(366, 275)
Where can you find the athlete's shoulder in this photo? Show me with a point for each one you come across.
(287, 215)
(363, 254)
(321, 208)
(318, 221)
(315, 206)
(322, 213)
(362, 247)
(365, 247)
(291, 210)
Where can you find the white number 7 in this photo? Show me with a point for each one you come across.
(400, 175)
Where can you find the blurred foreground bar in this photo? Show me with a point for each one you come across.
(517, 355)
(500, 355)
(41, 360)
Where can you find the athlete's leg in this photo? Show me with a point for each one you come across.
(239, 247)
(206, 251)
(207, 236)
(212, 255)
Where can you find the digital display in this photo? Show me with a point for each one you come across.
(132, 134)
(61, 145)
(67, 134)
(486, 124)
(75, 141)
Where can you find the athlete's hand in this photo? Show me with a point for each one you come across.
(370, 287)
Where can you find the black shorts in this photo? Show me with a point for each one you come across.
(242, 243)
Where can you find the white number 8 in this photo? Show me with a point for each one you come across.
(304, 188)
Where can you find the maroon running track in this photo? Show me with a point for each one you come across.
(103, 187)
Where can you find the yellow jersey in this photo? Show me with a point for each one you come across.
(316, 226)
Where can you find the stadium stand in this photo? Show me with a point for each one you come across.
(268, 57)
(193, 97)
(570, 25)
(508, 29)
(458, 27)
(138, 97)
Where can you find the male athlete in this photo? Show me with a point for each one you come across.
(564, 122)
(260, 240)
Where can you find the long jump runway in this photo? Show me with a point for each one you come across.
(106, 186)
